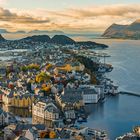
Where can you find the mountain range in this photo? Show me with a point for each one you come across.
(4, 31)
(59, 40)
(45, 32)
(131, 31)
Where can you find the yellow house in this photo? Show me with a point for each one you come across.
(21, 101)
(16, 99)
(29, 101)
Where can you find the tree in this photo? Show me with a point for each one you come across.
(42, 77)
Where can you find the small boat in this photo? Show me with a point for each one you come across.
(68, 120)
(80, 120)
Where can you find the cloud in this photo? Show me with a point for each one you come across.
(93, 18)
(8, 16)
(111, 10)
(84, 19)
(3, 2)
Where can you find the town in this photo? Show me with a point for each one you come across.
(69, 69)
(54, 82)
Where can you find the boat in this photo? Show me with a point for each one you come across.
(102, 70)
(80, 120)
(68, 120)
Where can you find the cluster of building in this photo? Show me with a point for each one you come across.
(55, 86)
(40, 131)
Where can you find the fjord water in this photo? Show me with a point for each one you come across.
(125, 58)
(118, 115)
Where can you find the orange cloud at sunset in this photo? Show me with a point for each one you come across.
(85, 19)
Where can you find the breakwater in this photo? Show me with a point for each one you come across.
(129, 93)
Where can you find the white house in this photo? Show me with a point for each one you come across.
(51, 112)
(70, 114)
(90, 96)
(46, 110)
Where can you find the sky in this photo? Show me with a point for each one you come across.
(70, 16)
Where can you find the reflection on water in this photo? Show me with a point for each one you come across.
(21, 112)
(26, 114)
(99, 109)
(39, 120)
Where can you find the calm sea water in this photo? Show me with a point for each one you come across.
(118, 115)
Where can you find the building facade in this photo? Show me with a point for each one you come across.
(47, 111)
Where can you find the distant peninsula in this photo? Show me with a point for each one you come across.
(5, 31)
(56, 39)
(131, 31)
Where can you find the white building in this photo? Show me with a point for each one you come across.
(90, 93)
(90, 96)
(70, 114)
(47, 111)
(51, 112)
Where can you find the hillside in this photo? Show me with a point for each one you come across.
(92, 44)
(62, 39)
(58, 40)
(45, 32)
(2, 38)
(38, 38)
(131, 31)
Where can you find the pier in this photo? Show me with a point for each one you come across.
(129, 93)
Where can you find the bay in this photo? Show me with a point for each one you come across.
(119, 115)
